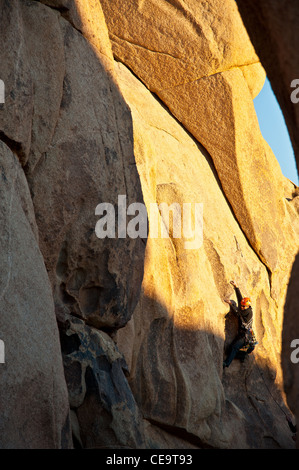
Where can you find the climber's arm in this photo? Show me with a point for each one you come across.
(233, 306)
(238, 292)
(239, 295)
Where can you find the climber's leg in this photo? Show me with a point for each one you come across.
(236, 345)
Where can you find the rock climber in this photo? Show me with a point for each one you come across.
(245, 341)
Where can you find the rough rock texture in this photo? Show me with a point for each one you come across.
(98, 390)
(88, 18)
(142, 323)
(289, 334)
(174, 342)
(180, 42)
(273, 29)
(34, 405)
(71, 129)
(214, 102)
(83, 133)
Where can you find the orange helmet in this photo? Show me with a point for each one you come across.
(245, 303)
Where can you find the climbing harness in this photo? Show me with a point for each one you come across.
(248, 331)
(250, 337)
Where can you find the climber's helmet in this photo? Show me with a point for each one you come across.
(245, 303)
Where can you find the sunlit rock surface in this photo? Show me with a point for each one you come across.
(272, 26)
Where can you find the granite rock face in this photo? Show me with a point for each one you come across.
(99, 394)
(272, 26)
(34, 399)
(141, 325)
(174, 343)
(168, 44)
(71, 130)
(213, 100)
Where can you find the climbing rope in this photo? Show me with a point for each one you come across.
(261, 374)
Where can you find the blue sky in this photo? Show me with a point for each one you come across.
(274, 131)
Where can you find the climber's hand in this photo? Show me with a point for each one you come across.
(233, 283)
(227, 301)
